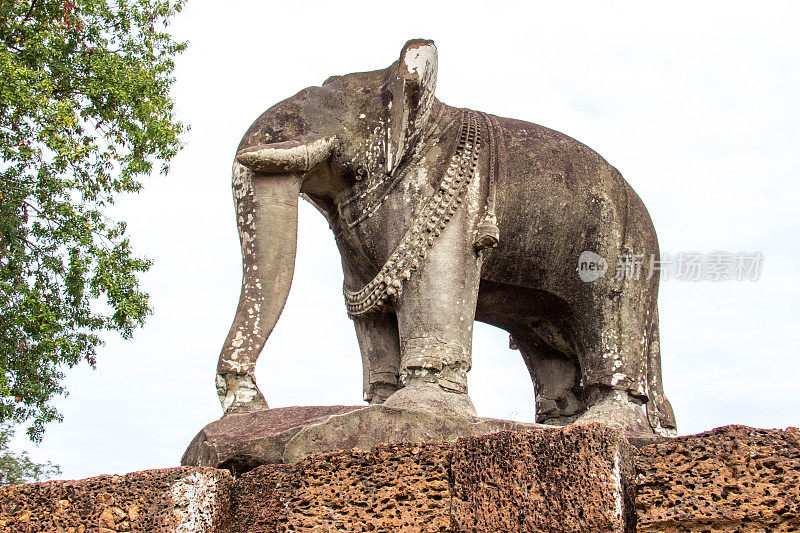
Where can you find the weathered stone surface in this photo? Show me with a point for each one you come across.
(578, 478)
(241, 442)
(565, 479)
(172, 499)
(256, 504)
(733, 478)
(396, 487)
(374, 425)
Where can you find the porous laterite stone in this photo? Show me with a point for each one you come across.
(397, 487)
(734, 478)
(184, 499)
(572, 479)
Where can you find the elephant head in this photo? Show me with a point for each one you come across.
(316, 143)
(384, 110)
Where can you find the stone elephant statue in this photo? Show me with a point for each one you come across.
(444, 216)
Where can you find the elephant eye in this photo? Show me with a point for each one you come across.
(341, 164)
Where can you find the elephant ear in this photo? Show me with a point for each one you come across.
(412, 86)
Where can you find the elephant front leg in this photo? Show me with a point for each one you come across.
(435, 314)
(379, 341)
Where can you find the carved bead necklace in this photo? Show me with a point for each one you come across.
(387, 285)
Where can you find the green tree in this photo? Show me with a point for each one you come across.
(18, 468)
(85, 113)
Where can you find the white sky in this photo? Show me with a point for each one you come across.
(695, 103)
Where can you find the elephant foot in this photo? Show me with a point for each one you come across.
(430, 398)
(557, 420)
(618, 410)
(238, 393)
(379, 394)
(559, 411)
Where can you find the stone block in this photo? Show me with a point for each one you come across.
(733, 478)
(173, 499)
(558, 479)
(577, 478)
(399, 487)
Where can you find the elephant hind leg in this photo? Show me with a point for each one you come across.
(614, 359)
(556, 380)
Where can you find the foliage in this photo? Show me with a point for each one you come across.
(85, 112)
(16, 469)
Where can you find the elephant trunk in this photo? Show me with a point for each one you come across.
(266, 210)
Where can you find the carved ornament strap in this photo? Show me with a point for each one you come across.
(428, 224)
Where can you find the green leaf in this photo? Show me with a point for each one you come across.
(85, 115)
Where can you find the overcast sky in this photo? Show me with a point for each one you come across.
(695, 103)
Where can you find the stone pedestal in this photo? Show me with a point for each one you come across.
(240, 442)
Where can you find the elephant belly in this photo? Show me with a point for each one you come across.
(557, 198)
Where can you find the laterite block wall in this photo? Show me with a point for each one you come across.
(585, 479)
